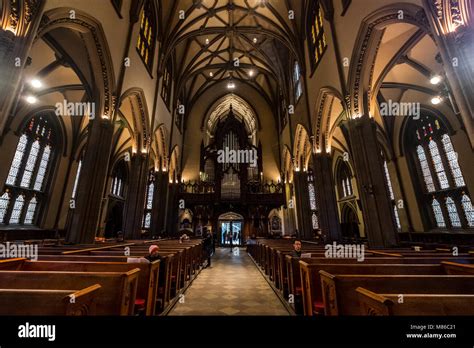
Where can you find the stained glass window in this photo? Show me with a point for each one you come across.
(28, 170)
(453, 212)
(42, 168)
(297, 81)
(149, 200)
(30, 164)
(316, 38)
(151, 190)
(17, 210)
(438, 213)
(435, 152)
(16, 164)
(147, 222)
(76, 181)
(425, 169)
(4, 203)
(388, 180)
(147, 36)
(312, 196)
(30, 211)
(397, 217)
(315, 221)
(453, 161)
(468, 210)
(438, 165)
(118, 179)
(313, 204)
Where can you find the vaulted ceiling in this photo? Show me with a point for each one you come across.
(242, 41)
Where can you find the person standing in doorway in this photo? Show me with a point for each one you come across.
(231, 241)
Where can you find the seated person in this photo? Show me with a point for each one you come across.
(296, 248)
(183, 238)
(153, 253)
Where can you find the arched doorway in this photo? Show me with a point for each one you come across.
(349, 223)
(230, 226)
(114, 221)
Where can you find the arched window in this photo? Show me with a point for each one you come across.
(312, 200)
(76, 180)
(298, 88)
(344, 180)
(388, 180)
(147, 37)
(150, 191)
(119, 176)
(468, 210)
(436, 163)
(166, 85)
(28, 173)
(316, 38)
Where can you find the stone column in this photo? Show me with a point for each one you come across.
(135, 203)
(326, 197)
(376, 205)
(303, 211)
(172, 210)
(94, 173)
(159, 203)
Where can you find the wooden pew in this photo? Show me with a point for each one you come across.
(372, 303)
(165, 272)
(310, 277)
(147, 287)
(339, 291)
(49, 302)
(117, 294)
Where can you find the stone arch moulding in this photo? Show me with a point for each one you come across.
(366, 49)
(141, 117)
(100, 56)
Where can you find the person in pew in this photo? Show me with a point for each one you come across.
(153, 253)
(296, 248)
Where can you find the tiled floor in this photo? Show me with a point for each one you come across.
(232, 286)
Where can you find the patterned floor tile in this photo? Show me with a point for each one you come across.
(231, 286)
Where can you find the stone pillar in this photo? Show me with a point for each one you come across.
(135, 203)
(94, 173)
(303, 211)
(326, 197)
(159, 204)
(376, 205)
(172, 210)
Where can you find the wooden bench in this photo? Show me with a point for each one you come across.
(49, 302)
(117, 294)
(340, 296)
(372, 303)
(310, 277)
(147, 280)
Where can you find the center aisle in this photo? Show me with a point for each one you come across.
(232, 286)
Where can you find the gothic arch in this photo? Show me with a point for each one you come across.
(96, 43)
(366, 48)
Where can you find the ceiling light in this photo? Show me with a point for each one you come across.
(436, 100)
(211, 74)
(251, 73)
(231, 85)
(31, 99)
(35, 83)
(255, 40)
(436, 79)
(207, 41)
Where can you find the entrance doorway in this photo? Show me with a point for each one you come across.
(230, 229)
